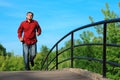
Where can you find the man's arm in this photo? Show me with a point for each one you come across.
(38, 30)
(20, 31)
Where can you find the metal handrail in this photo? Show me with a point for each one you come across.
(90, 44)
(88, 58)
(104, 22)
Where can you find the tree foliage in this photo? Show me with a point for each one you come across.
(2, 50)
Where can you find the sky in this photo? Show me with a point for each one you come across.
(56, 18)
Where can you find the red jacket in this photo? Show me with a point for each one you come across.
(29, 29)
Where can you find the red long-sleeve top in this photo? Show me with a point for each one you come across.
(29, 29)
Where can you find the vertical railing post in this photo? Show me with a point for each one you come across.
(56, 56)
(72, 48)
(104, 49)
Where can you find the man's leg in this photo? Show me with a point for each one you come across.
(33, 51)
(26, 56)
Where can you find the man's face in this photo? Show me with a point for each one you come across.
(29, 16)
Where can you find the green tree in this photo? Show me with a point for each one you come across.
(44, 51)
(113, 37)
(13, 63)
(87, 36)
(2, 50)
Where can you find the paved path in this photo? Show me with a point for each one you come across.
(41, 75)
(65, 74)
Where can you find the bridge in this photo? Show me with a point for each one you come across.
(65, 74)
(47, 74)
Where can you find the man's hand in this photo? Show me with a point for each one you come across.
(37, 34)
(21, 39)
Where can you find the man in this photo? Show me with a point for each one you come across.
(31, 29)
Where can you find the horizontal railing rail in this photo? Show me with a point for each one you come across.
(87, 58)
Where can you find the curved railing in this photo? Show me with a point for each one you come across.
(71, 48)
